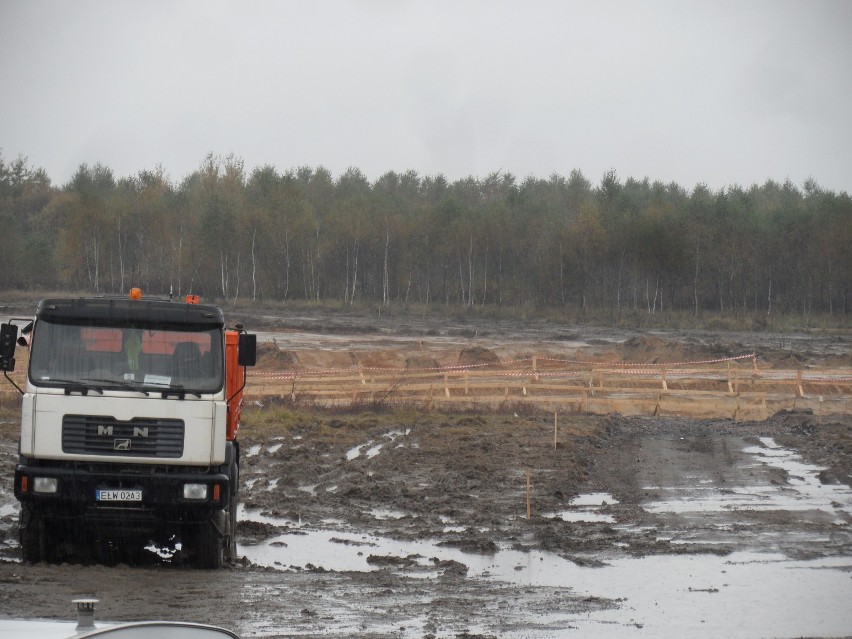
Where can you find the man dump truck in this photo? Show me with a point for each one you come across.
(129, 426)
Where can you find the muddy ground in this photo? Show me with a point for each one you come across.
(324, 491)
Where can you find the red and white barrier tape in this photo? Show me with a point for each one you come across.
(720, 360)
(650, 369)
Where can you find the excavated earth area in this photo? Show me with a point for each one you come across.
(418, 524)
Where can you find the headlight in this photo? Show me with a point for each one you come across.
(45, 484)
(195, 491)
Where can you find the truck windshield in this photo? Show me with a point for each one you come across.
(187, 359)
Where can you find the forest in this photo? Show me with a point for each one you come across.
(619, 247)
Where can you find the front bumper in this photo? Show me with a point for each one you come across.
(162, 493)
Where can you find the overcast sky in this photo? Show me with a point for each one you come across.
(716, 92)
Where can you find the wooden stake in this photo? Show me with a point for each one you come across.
(555, 428)
(529, 495)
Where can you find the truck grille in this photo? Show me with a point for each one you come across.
(139, 437)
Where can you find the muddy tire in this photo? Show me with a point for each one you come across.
(230, 546)
(33, 534)
(230, 519)
(208, 546)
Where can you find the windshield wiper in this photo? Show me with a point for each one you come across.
(177, 390)
(117, 383)
(73, 386)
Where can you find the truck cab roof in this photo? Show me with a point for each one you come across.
(121, 310)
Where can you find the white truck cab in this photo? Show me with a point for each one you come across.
(128, 428)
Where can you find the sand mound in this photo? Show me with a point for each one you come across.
(419, 361)
(651, 350)
(270, 356)
(477, 355)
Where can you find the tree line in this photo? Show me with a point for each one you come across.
(618, 246)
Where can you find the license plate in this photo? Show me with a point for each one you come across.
(118, 495)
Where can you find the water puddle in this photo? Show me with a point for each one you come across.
(741, 595)
(582, 515)
(374, 449)
(593, 499)
(355, 453)
(381, 513)
(590, 508)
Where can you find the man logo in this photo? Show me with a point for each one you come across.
(121, 444)
(104, 430)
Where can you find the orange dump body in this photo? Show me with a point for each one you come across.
(234, 380)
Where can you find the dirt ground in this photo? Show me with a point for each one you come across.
(458, 482)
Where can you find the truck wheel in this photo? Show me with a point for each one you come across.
(209, 546)
(231, 515)
(231, 533)
(33, 536)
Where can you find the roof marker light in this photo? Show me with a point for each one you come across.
(136, 293)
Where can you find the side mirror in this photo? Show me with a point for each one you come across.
(24, 340)
(247, 355)
(8, 341)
